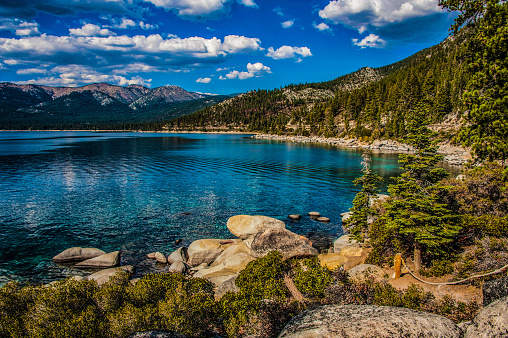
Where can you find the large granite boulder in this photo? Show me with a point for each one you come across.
(103, 276)
(109, 260)
(286, 242)
(244, 226)
(494, 290)
(363, 271)
(178, 266)
(207, 250)
(160, 258)
(367, 321)
(343, 242)
(227, 286)
(234, 249)
(78, 254)
(492, 321)
(179, 255)
(231, 265)
(332, 260)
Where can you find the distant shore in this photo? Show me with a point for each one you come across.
(453, 155)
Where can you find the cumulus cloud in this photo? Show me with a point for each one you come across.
(249, 3)
(90, 30)
(198, 8)
(240, 44)
(204, 80)
(288, 52)
(322, 26)
(287, 24)
(31, 71)
(253, 70)
(19, 27)
(371, 40)
(378, 13)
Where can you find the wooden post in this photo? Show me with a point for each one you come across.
(397, 263)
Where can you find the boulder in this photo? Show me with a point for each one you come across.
(151, 255)
(78, 254)
(295, 217)
(352, 250)
(345, 216)
(160, 258)
(379, 198)
(231, 265)
(286, 242)
(492, 321)
(314, 214)
(218, 278)
(367, 321)
(231, 251)
(227, 286)
(323, 219)
(342, 242)
(244, 226)
(361, 271)
(178, 266)
(494, 290)
(207, 250)
(105, 261)
(332, 260)
(103, 276)
(179, 255)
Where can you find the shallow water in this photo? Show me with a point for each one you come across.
(139, 192)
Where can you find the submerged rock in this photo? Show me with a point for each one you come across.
(151, 255)
(244, 226)
(286, 242)
(78, 254)
(367, 321)
(314, 214)
(105, 261)
(295, 217)
(323, 219)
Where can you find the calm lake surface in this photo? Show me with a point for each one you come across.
(139, 192)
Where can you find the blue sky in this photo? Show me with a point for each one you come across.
(209, 46)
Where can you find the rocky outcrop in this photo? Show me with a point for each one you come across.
(286, 242)
(227, 286)
(494, 290)
(77, 254)
(343, 242)
(104, 261)
(367, 321)
(178, 266)
(362, 271)
(179, 255)
(160, 258)
(332, 260)
(244, 226)
(103, 276)
(492, 321)
(207, 250)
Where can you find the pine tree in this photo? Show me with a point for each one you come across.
(362, 211)
(414, 211)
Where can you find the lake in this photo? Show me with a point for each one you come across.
(139, 192)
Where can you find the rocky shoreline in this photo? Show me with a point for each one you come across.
(453, 155)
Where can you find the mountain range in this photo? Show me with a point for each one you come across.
(94, 105)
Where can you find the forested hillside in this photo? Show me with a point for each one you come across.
(369, 103)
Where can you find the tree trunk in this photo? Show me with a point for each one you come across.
(417, 258)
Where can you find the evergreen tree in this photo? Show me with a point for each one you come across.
(362, 211)
(486, 95)
(414, 211)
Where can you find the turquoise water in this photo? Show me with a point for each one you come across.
(139, 192)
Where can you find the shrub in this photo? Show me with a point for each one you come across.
(310, 278)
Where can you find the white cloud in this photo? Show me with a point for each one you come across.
(362, 29)
(204, 80)
(90, 30)
(279, 11)
(19, 27)
(240, 44)
(287, 24)
(125, 23)
(249, 3)
(322, 26)
(147, 26)
(31, 71)
(288, 52)
(371, 40)
(378, 13)
(221, 69)
(253, 70)
(191, 8)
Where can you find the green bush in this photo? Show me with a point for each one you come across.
(438, 268)
(310, 278)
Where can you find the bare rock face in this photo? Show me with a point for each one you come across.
(361, 271)
(332, 260)
(492, 321)
(179, 255)
(178, 266)
(343, 242)
(227, 286)
(367, 321)
(78, 254)
(105, 261)
(160, 258)
(494, 290)
(286, 242)
(244, 226)
(103, 276)
(234, 249)
(207, 250)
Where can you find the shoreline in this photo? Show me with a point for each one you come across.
(453, 155)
